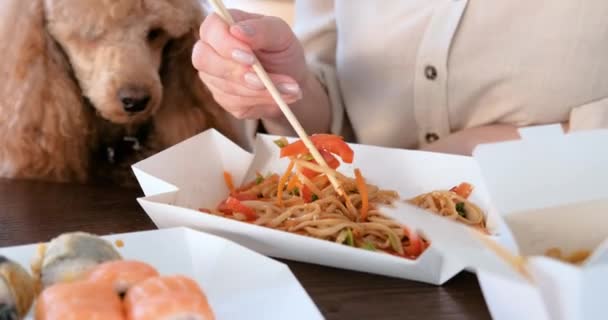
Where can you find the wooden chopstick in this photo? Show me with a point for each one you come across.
(221, 10)
(517, 262)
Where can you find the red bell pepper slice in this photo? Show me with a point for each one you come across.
(232, 205)
(464, 189)
(332, 162)
(414, 249)
(329, 142)
(306, 194)
(244, 196)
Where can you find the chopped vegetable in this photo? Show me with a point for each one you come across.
(244, 196)
(332, 162)
(461, 210)
(395, 242)
(314, 198)
(295, 191)
(233, 205)
(259, 179)
(228, 180)
(293, 182)
(307, 157)
(362, 187)
(283, 181)
(281, 143)
(369, 246)
(331, 143)
(415, 247)
(464, 189)
(350, 240)
(306, 194)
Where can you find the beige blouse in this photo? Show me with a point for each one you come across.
(405, 73)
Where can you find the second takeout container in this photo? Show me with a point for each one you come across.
(239, 283)
(188, 176)
(551, 190)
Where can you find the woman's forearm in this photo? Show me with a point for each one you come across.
(313, 111)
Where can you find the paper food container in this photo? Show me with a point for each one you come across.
(189, 176)
(239, 283)
(551, 190)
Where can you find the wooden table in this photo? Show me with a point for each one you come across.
(36, 211)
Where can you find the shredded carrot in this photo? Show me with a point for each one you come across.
(293, 182)
(362, 187)
(306, 182)
(228, 180)
(282, 182)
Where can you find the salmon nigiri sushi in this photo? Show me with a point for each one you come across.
(121, 274)
(167, 297)
(79, 300)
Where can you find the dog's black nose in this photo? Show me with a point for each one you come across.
(134, 99)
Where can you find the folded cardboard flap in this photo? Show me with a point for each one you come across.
(458, 240)
(560, 286)
(550, 188)
(152, 185)
(545, 169)
(599, 257)
(180, 165)
(569, 291)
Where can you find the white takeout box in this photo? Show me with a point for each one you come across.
(551, 190)
(189, 176)
(239, 283)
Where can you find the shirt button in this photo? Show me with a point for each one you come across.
(431, 137)
(430, 72)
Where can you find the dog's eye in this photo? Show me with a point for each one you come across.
(154, 34)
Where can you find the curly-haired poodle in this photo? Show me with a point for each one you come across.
(90, 86)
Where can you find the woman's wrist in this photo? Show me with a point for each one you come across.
(313, 110)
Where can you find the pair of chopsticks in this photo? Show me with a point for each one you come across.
(221, 10)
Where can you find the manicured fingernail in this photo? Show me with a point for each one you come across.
(246, 29)
(242, 57)
(290, 88)
(253, 81)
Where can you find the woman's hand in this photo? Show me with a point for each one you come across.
(224, 56)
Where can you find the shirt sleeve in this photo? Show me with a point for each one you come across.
(315, 27)
(593, 115)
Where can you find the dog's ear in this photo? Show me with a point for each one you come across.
(188, 107)
(42, 119)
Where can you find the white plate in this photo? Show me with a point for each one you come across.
(239, 283)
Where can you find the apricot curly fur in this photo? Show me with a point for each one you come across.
(63, 64)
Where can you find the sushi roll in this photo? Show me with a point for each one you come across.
(167, 298)
(121, 274)
(16, 290)
(79, 300)
(70, 256)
